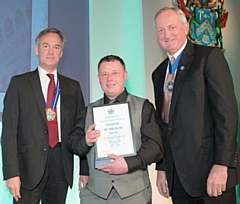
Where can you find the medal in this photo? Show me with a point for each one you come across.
(169, 86)
(51, 114)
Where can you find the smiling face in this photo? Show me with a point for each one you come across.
(49, 51)
(172, 31)
(112, 76)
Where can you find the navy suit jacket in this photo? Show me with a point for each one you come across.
(203, 119)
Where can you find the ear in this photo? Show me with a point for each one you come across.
(186, 28)
(36, 49)
(125, 75)
(98, 77)
(61, 54)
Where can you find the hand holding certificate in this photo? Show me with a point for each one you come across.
(114, 122)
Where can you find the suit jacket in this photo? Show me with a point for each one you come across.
(25, 131)
(203, 119)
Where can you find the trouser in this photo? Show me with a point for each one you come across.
(53, 187)
(179, 195)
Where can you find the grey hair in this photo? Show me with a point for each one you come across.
(178, 11)
(50, 30)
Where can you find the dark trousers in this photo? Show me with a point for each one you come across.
(179, 195)
(53, 187)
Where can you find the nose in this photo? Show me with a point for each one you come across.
(166, 33)
(50, 50)
(110, 76)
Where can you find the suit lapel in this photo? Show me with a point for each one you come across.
(158, 81)
(37, 92)
(161, 79)
(182, 72)
(63, 90)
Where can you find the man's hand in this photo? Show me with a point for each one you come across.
(92, 135)
(217, 180)
(162, 184)
(118, 166)
(13, 185)
(83, 181)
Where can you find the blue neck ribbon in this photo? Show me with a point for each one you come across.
(56, 96)
(173, 67)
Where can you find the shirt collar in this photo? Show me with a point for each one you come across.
(120, 98)
(43, 73)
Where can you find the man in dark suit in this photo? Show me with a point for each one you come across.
(36, 169)
(197, 112)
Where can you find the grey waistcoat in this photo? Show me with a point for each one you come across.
(128, 184)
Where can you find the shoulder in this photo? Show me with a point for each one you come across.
(95, 103)
(206, 50)
(90, 105)
(162, 64)
(201, 53)
(66, 80)
(144, 101)
(135, 99)
(160, 67)
(25, 75)
(22, 79)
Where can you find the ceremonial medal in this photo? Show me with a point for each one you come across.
(51, 114)
(51, 111)
(169, 86)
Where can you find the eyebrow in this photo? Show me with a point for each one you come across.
(45, 43)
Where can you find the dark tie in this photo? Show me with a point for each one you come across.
(52, 125)
(167, 95)
(112, 101)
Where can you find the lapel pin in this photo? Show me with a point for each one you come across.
(182, 68)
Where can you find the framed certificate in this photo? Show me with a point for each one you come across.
(114, 122)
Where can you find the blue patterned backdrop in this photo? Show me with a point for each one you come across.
(20, 22)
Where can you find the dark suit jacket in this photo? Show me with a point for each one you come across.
(203, 119)
(25, 131)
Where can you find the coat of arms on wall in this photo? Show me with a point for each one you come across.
(206, 19)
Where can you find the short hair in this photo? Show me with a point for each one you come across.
(50, 30)
(110, 58)
(178, 11)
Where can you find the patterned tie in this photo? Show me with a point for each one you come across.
(52, 125)
(167, 95)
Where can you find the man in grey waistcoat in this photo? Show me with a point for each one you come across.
(124, 179)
